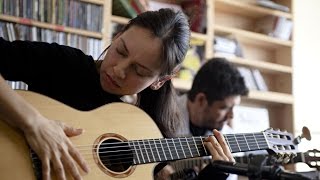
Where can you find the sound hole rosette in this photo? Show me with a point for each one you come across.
(113, 156)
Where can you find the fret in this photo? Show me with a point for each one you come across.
(252, 141)
(137, 152)
(193, 147)
(246, 140)
(135, 156)
(163, 155)
(166, 147)
(263, 144)
(148, 144)
(256, 140)
(195, 144)
(241, 142)
(189, 148)
(141, 151)
(146, 149)
(184, 145)
(175, 147)
(233, 144)
(180, 148)
(201, 147)
(235, 138)
(157, 156)
(171, 149)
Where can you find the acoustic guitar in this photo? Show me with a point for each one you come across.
(120, 141)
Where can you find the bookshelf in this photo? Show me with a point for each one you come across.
(270, 55)
(82, 18)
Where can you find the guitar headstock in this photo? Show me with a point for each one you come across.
(312, 158)
(281, 144)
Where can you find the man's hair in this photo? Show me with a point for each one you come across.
(218, 79)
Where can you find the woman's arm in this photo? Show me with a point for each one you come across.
(46, 137)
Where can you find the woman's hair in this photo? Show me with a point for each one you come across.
(173, 30)
(218, 79)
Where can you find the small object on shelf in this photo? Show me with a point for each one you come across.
(260, 82)
(123, 8)
(272, 5)
(248, 78)
(275, 26)
(228, 46)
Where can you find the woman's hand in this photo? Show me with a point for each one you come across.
(218, 147)
(49, 140)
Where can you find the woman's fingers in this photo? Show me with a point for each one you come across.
(223, 144)
(218, 147)
(215, 149)
(45, 169)
(69, 164)
(69, 130)
(75, 154)
(58, 167)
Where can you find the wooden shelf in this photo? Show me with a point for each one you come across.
(247, 9)
(252, 37)
(267, 67)
(271, 97)
(98, 2)
(198, 36)
(54, 27)
(262, 96)
(119, 19)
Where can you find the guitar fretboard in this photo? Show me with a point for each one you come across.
(168, 149)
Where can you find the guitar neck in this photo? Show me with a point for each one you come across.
(168, 149)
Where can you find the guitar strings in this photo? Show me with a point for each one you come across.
(255, 140)
(111, 157)
(126, 144)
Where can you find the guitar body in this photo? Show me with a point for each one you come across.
(118, 121)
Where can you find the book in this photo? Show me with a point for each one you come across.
(139, 6)
(248, 78)
(275, 26)
(123, 8)
(196, 11)
(259, 80)
(272, 5)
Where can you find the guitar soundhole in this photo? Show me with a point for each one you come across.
(115, 155)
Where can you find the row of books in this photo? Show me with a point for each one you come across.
(253, 79)
(195, 10)
(129, 8)
(11, 32)
(72, 13)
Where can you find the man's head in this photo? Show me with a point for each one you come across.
(216, 89)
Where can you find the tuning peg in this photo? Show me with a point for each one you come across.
(305, 134)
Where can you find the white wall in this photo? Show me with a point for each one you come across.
(306, 64)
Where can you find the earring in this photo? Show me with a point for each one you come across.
(153, 87)
(157, 85)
